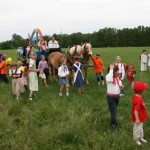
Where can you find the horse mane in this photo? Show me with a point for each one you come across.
(75, 50)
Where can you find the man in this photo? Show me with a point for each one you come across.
(53, 45)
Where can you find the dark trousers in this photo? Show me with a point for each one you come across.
(113, 102)
(100, 75)
(4, 78)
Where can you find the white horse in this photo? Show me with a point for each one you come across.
(87, 53)
(75, 50)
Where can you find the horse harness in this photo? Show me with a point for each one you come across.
(15, 73)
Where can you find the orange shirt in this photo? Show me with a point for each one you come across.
(98, 64)
(3, 67)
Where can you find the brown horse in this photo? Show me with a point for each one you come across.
(54, 61)
(87, 53)
(55, 58)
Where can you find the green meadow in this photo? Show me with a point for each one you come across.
(50, 122)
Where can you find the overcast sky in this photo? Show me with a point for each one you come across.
(69, 16)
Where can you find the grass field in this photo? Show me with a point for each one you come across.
(50, 122)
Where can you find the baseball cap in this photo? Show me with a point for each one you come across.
(140, 86)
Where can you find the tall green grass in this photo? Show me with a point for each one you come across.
(50, 122)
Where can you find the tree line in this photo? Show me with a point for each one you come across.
(106, 37)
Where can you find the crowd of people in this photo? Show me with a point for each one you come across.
(22, 74)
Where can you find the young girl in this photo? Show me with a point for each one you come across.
(131, 75)
(114, 86)
(139, 114)
(78, 79)
(43, 65)
(33, 78)
(17, 86)
(63, 77)
(24, 72)
(121, 70)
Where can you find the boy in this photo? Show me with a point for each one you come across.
(98, 68)
(139, 114)
(63, 74)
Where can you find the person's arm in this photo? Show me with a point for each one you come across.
(109, 76)
(122, 71)
(137, 120)
(57, 45)
(92, 58)
(103, 65)
(34, 70)
(1, 64)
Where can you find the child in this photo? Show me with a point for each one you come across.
(121, 71)
(63, 77)
(17, 86)
(3, 68)
(24, 73)
(43, 65)
(98, 68)
(131, 74)
(33, 78)
(78, 79)
(139, 114)
(114, 85)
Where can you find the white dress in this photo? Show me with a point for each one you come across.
(143, 62)
(33, 78)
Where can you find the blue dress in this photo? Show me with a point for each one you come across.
(78, 76)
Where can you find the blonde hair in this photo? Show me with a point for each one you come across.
(20, 63)
(32, 54)
(13, 64)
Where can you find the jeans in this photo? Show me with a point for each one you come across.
(112, 104)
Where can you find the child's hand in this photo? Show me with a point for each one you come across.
(122, 87)
(111, 66)
(137, 121)
(37, 70)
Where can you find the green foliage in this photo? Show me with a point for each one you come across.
(106, 37)
(50, 122)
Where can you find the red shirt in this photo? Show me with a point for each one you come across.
(98, 64)
(138, 105)
(130, 75)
